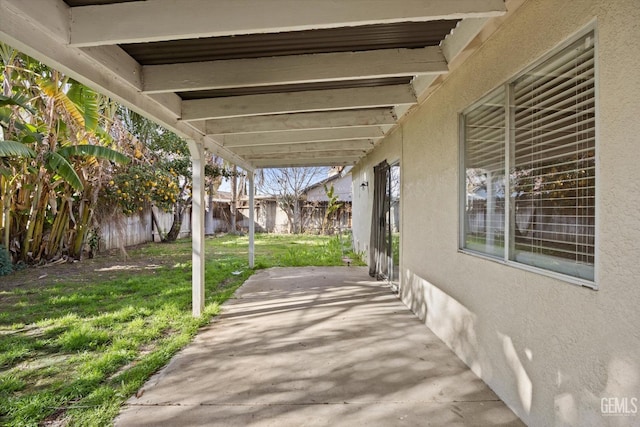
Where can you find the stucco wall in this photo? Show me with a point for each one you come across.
(341, 189)
(550, 349)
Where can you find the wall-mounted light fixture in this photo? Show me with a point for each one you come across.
(364, 185)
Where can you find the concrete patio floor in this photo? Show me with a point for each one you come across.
(317, 346)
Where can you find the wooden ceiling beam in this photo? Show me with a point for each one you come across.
(306, 147)
(148, 21)
(298, 121)
(293, 69)
(293, 162)
(292, 102)
(337, 154)
(298, 136)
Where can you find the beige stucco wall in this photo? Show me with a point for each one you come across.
(551, 350)
(341, 188)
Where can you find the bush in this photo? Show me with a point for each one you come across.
(6, 267)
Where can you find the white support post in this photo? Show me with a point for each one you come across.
(251, 220)
(197, 227)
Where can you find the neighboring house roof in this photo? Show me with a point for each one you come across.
(222, 196)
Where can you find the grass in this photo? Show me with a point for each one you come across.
(75, 350)
(395, 248)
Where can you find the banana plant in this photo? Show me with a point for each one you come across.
(52, 165)
(12, 153)
(8, 176)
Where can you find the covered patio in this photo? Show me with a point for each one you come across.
(378, 83)
(266, 84)
(259, 83)
(316, 346)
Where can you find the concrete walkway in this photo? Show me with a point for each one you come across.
(315, 347)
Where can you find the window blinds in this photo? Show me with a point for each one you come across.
(553, 163)
(484, 167)
(549, 150)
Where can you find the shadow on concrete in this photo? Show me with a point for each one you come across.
(315, 347)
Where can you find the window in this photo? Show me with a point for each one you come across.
(529, 166)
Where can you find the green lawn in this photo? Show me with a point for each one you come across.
(74, 345)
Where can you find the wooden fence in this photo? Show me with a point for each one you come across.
(137, 229)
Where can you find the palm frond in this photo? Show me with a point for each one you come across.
(61, 166)
(95, 151)
(15, 149)
(19, 100)
(7, 53)
(51, 89)
(27, 133)
(87, 100)
(103, 135)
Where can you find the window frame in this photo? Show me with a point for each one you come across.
(509, 142)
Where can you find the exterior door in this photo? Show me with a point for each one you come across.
(384, 254)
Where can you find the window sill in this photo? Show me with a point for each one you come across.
(558, 276)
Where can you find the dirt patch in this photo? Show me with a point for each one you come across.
(57, 419)
(105, 266)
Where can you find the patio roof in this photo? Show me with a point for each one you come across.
(261, 83)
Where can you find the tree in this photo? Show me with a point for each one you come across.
(333, 206)
(54, 161)
(287, 185)
(10, 151)
(238, 186)
(161, 172)
(67, 152)
(213, 184)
